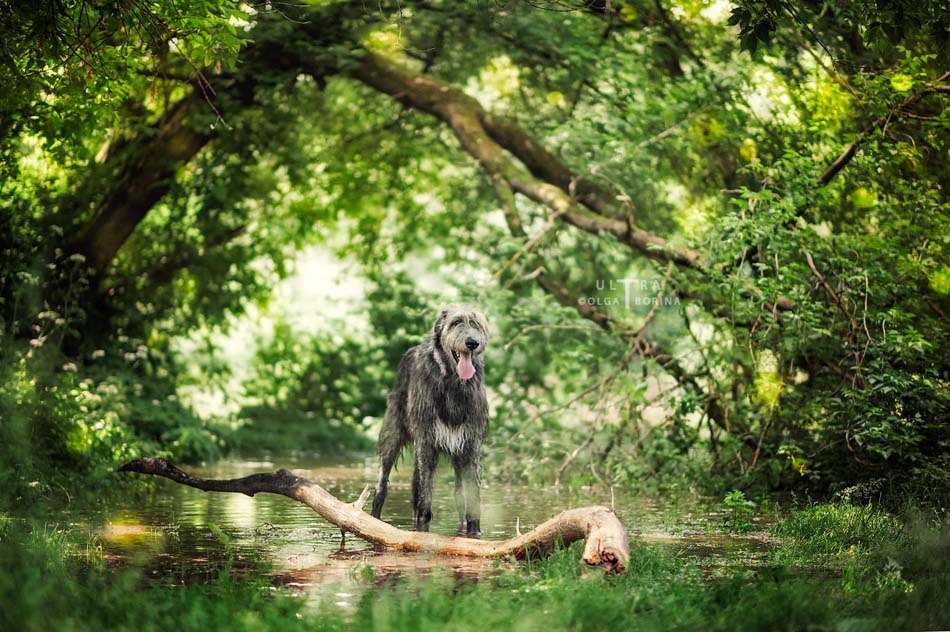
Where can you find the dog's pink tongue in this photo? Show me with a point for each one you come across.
(465, 367)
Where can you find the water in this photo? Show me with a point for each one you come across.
(180, 534)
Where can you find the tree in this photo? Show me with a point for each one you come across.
(788, 198)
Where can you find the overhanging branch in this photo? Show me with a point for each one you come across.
(711, 405)
(544, 181)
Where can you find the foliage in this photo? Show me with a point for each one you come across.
(836, 533)
(70, 66)
(888, 361)
(878, 25)
(50, 581)
(738, 511)
(328, 389)
(65, 429)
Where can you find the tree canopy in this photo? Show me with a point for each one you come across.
(734, 213)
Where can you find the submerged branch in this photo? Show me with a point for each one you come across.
(606, 539)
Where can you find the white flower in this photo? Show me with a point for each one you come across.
(98, 353)
(70, 367)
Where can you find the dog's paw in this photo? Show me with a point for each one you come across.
(470, 529)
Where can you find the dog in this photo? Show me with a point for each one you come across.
(439, 405)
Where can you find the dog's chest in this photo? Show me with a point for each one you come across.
(451, 439)
(454, 405)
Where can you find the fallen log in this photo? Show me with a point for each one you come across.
(606, 544)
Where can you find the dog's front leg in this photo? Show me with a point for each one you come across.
(467, 494)
(423, 475)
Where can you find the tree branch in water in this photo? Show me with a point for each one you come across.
(606, 539)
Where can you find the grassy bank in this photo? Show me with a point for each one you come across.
(836, 567)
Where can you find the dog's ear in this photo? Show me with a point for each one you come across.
(437, 328)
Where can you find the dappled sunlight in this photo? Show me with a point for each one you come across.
(769, 99)
(768, 382)
(128, 534)
(497, 82)
(123, 539)
(830, 105)
(385, 41)
(717, 11)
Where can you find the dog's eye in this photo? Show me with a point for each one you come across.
(456, 322)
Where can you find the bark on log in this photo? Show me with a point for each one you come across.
(606, 539)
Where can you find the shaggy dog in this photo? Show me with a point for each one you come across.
(438, 404)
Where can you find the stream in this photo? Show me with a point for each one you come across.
(179, 534)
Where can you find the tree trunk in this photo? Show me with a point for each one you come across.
(606, 539)
(140, 184)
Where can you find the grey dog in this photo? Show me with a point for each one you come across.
(438, 404)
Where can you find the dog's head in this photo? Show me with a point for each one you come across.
(462, 333)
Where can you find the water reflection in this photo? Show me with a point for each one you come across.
(182, 534)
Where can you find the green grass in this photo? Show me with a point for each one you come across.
(834, 533)
(838, 567)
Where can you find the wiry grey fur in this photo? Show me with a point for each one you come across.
(437, 411)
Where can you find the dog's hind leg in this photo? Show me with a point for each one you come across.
(391, 442)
